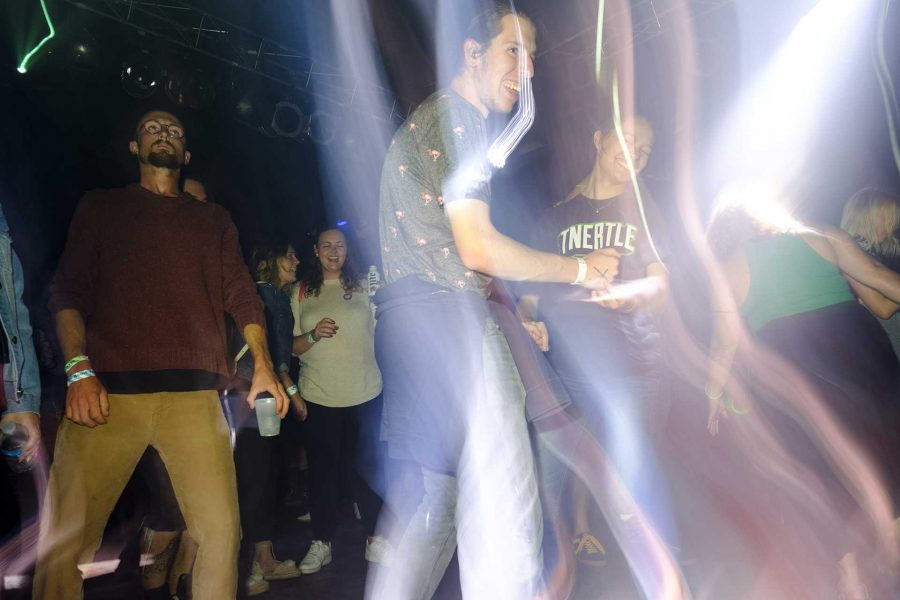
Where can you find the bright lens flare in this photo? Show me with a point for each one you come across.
(770, 129)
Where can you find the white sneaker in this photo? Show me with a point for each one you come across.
(379, 550)
(318, 556)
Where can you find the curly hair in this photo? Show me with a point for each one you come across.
(350, 274)
(741, 216)
(264, 262)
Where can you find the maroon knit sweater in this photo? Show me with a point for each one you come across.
(153, 277)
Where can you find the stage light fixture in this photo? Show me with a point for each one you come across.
(254, 107)
(322, 128)
(141, 75)
(288, 120)
(191, 88)
(79, 48)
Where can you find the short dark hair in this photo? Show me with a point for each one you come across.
(483, 26)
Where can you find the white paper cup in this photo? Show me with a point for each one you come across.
(267, 418)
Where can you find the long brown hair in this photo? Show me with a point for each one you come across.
(264, 263)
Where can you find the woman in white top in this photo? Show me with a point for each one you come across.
(334, 337)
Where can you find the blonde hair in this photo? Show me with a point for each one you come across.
(865, 212)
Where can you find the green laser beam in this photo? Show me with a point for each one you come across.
(23, 66)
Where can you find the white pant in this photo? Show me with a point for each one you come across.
(490, 509)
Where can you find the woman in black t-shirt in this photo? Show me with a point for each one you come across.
(605, 346)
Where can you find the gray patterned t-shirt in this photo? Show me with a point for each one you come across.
(439, 155)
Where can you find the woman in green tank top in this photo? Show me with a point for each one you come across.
(816, 367)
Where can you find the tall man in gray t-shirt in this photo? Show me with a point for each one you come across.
(453, 397)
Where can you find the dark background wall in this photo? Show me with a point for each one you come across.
(66, 122)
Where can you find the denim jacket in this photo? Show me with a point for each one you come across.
(279, 331)
(21, 378)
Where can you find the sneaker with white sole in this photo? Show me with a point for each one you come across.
(256, 585)
(379, 550)
(318, 556)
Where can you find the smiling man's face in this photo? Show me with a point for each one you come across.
(498, 77)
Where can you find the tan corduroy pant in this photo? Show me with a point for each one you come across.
(92, 466)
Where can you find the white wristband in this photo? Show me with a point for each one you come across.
(582, 271)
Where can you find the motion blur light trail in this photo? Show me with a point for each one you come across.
(767, 139)
(521, 122)
(888, 93)
(18, 553)
(23, 66)
(617, 122)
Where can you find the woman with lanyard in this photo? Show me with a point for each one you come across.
(274, 267)
(334, 338)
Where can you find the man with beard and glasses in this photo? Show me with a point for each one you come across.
(144, 284)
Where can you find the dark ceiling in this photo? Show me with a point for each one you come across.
(68, 119)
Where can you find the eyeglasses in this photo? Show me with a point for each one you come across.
(176, 132)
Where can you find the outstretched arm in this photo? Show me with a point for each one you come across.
(484, 249)
(727, 294)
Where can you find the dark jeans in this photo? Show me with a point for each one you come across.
(333, 442)
(609, 364)
(256, 466)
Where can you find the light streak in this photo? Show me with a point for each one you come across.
(521, 122)
(886, 84)
(774, 122)
(631, 172)
(598, 53)
(23, 66)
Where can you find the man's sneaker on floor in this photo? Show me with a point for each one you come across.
(318, 556)
(256, 585)
(379, 550)
(305, 517)
(588, 549)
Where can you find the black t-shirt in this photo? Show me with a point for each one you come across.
(168, 380)
(580, 225)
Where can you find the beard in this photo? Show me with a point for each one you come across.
(163, 160)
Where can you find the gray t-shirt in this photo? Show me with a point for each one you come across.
(439, 155)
